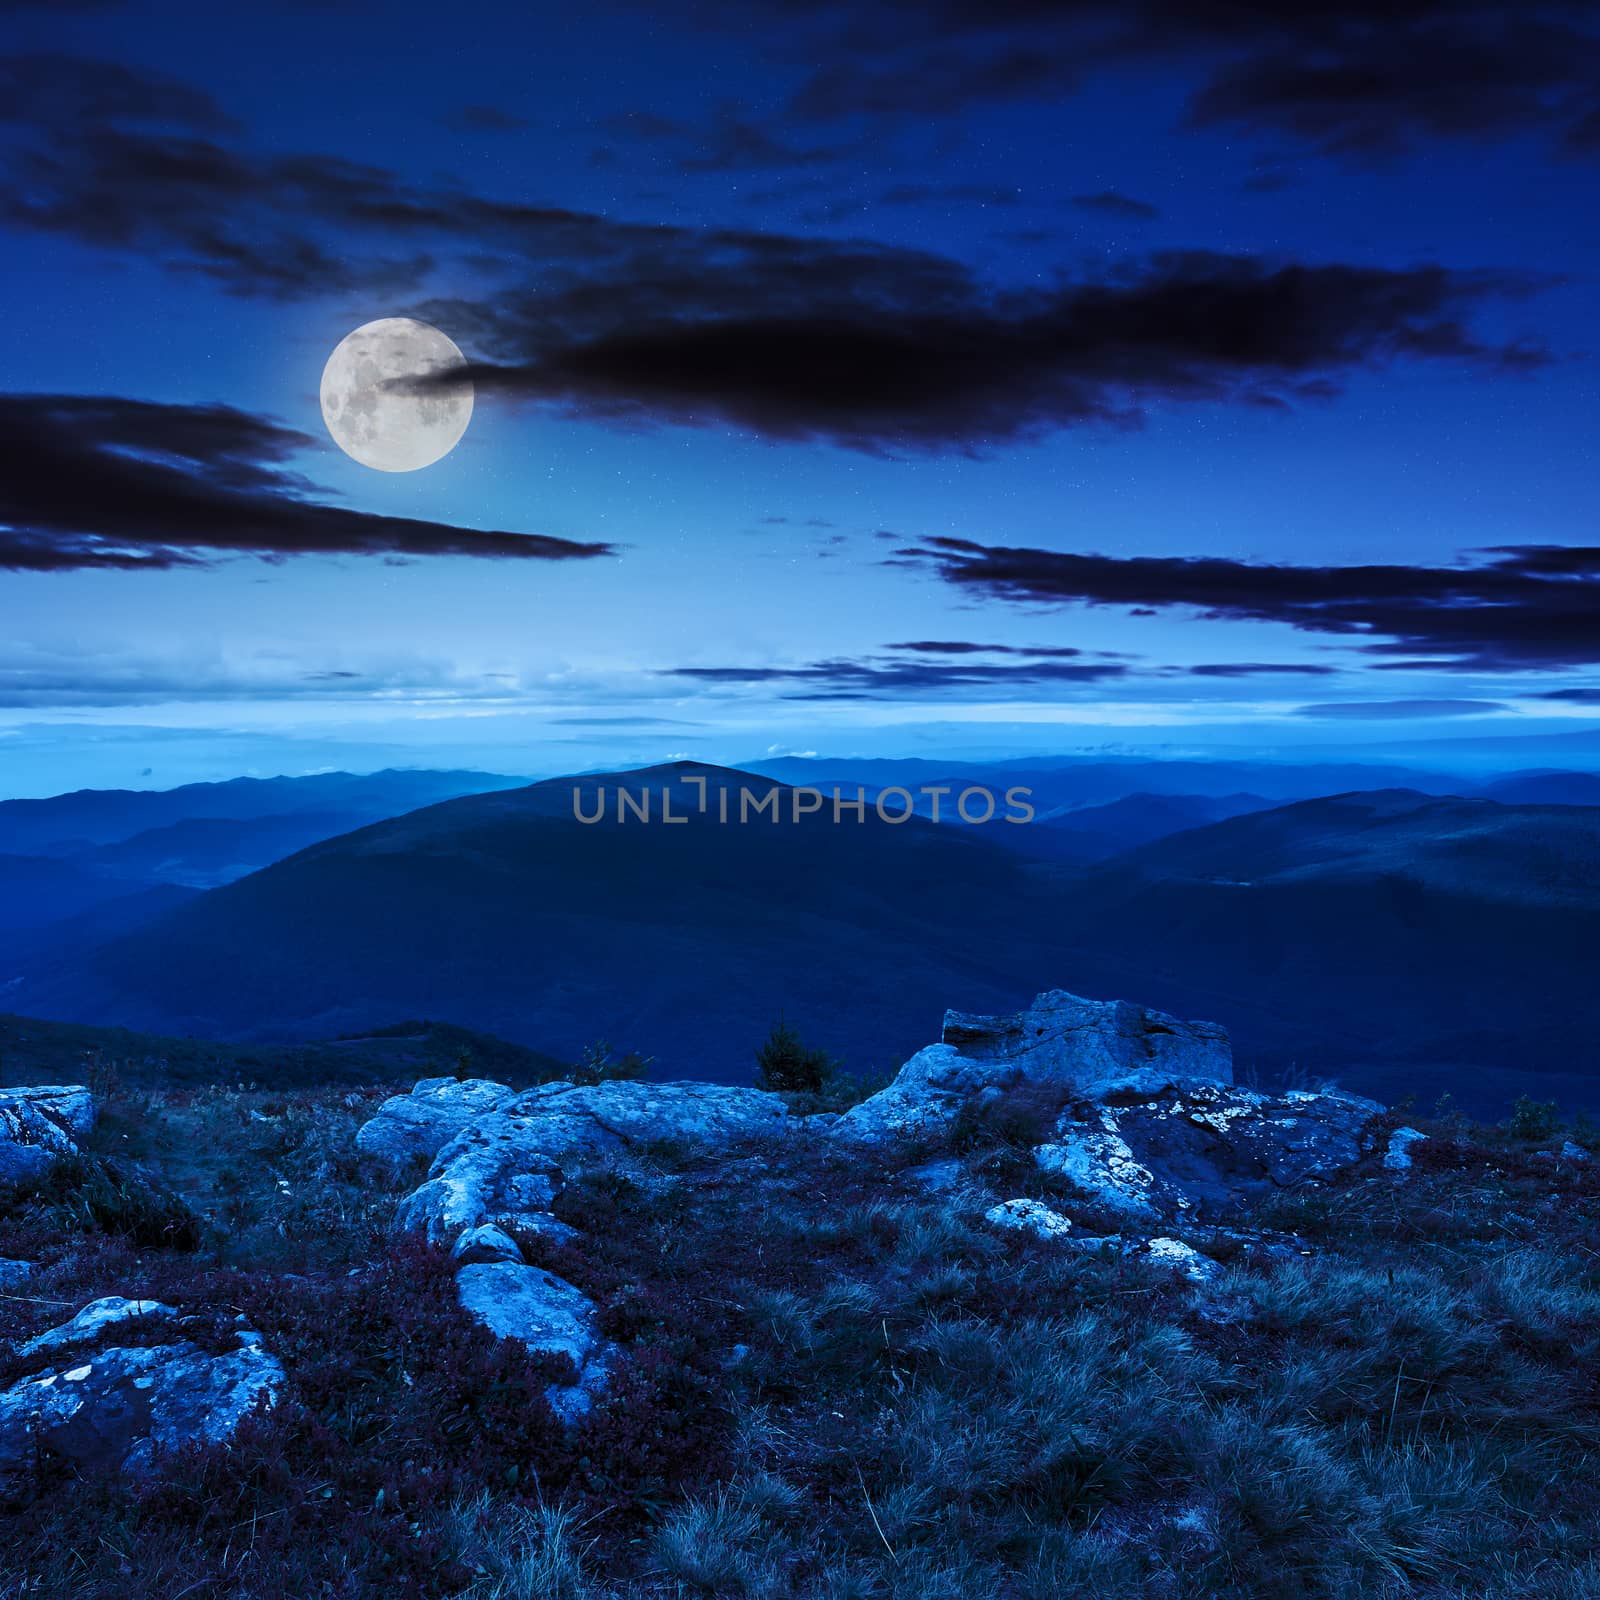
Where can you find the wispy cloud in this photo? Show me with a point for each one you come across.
(1518, 608)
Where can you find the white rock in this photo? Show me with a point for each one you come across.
(39, 1126)
(1573, 1152)
(503, 1165)
(547, 1315)
(116, 1411)
(1029, 1216)
(1099, 1162)
(96, 1316)
(1182, 1258)
(1207, 1148)
(1397, 1158)
(418, 1125)
(1087, 1048)
(70, 1105)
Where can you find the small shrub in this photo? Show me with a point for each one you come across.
(598, 1065)
(787, 1065)
(1021, 1117)
(1534, 1119)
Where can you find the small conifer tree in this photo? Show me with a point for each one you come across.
(786, 1065)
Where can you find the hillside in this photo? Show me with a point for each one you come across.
(683, 941)
(35, 891)
(1098, 832)
(1525, 854)
(203, 852)
(36, 1051)
(654, 1342)
(1448, 935)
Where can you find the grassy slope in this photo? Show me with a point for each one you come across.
(838, 1384)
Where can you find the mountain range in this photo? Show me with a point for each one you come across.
(1391, 938)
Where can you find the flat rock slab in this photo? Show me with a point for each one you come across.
(114, 1410)
(1204, 1150)
(94, 1319)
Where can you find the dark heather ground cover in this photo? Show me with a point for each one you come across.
(836, 1383)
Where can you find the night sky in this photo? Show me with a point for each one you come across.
(939, 377)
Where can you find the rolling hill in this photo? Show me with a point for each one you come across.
(35, 891)
(683, 940)
(1397, 927)
(68, 824)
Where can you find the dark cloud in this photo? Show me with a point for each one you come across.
(1379, 91)
(1576, 697)
(1347, 77)
(1399, 710)
(134, 162)
(875, 347)
(1112, 203)
(885, 677)
(1518, 608)
(1260, 669)
(485, 119)
(53, 90)
(964, 647)
(98, 481)
(886, 351)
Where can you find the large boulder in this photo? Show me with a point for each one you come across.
(113, 1409)
(39, 1126)
(505, 1165)
(1088, 1048)
(417, 1126)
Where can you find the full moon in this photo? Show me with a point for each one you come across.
(373, 410)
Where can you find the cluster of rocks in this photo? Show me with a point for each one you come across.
(1147, 1138)
(1152, 1134)
(1092, 1048)
(496, 1167)
(99, 1404)
(103, 1406)
(1153, 1131)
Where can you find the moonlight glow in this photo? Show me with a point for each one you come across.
(374, 412)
